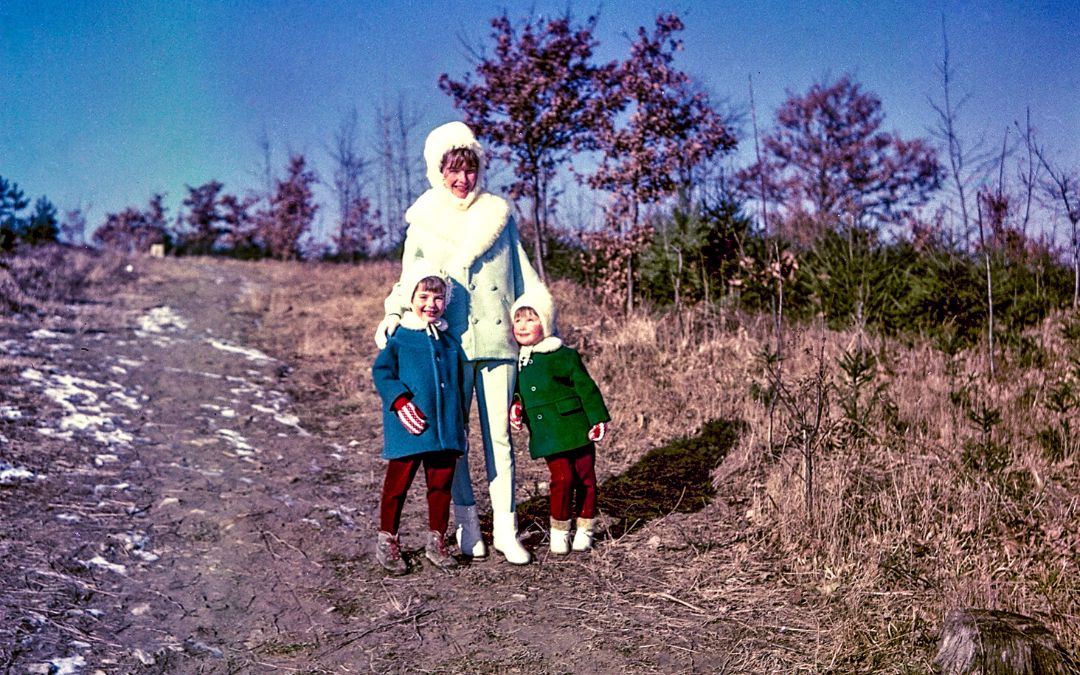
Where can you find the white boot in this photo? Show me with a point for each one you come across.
(560, 536)
(469, 539)
(505, 539)
(583, 538)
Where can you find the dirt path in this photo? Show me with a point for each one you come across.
(165, 511)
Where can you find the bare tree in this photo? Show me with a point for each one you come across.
(1063, 186)
(357, 230)
(399, 171)
(1029, 171)
(73, 226)
(266, 171)
(965, 164)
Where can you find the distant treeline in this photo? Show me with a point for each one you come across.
(833, 217)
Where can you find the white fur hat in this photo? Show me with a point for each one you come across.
(419, 271)
(445, 138)
(541, 302)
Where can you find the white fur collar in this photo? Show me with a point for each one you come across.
(413, 321)
(545, 346)
(437, 223)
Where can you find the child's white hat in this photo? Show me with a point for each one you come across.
(541, 302)
(420, 270)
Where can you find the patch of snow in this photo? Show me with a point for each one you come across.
(135, 544)
(10, 413)
(65, 666)
(125, 400)
(98, 561)
(158, 319)
(252, 354)
(53, 433)
(84, 411)
(45, 334)
(9, 473)
(117, 370)
(130, 363)
(32, 375)
(116, 486)
(238, 442)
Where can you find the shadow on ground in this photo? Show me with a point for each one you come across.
(674, 478)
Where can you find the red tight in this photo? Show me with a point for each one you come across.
(439, 473)
(573, 483)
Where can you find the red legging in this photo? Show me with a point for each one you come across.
(439, 473)
(573, 483)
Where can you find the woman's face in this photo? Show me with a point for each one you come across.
(460, 181)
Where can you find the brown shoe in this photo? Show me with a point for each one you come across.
(388, 553)
(436, 551)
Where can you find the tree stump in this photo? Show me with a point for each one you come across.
(991, 642)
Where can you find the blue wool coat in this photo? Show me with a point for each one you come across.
(430, 370)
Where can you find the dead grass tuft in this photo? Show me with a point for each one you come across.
(41, 278)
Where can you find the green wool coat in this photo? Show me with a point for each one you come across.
(561, 402)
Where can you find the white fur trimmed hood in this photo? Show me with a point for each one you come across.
(460, 229)
(421, 270)
(441, 140)
(541, 302)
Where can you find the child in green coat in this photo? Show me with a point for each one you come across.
(565, 414)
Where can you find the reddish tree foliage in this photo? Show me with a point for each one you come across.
(669, 131)
(531, 101)
(212, 218)
(73, 227)
(132, 230)
(291, 212)
(653, 130)
(360, 231)
(829, 159)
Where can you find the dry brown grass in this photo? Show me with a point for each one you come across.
(44, 278)
(901, 531)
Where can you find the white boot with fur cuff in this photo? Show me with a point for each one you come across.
(505, 539)
(560, 536)
(583, 538)
(469, 539)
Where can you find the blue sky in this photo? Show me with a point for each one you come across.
(104, 103)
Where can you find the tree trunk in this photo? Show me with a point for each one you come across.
(991, 642)
(538, 230)
(989, 291)
(1076, 267)
(630, 259)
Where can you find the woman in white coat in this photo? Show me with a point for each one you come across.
(458, 227)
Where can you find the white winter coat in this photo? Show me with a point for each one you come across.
(475, 242)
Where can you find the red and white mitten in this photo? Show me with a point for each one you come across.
(517, 414)
(412, 419)
(596, 434)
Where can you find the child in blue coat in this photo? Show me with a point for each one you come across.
(418, 375)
